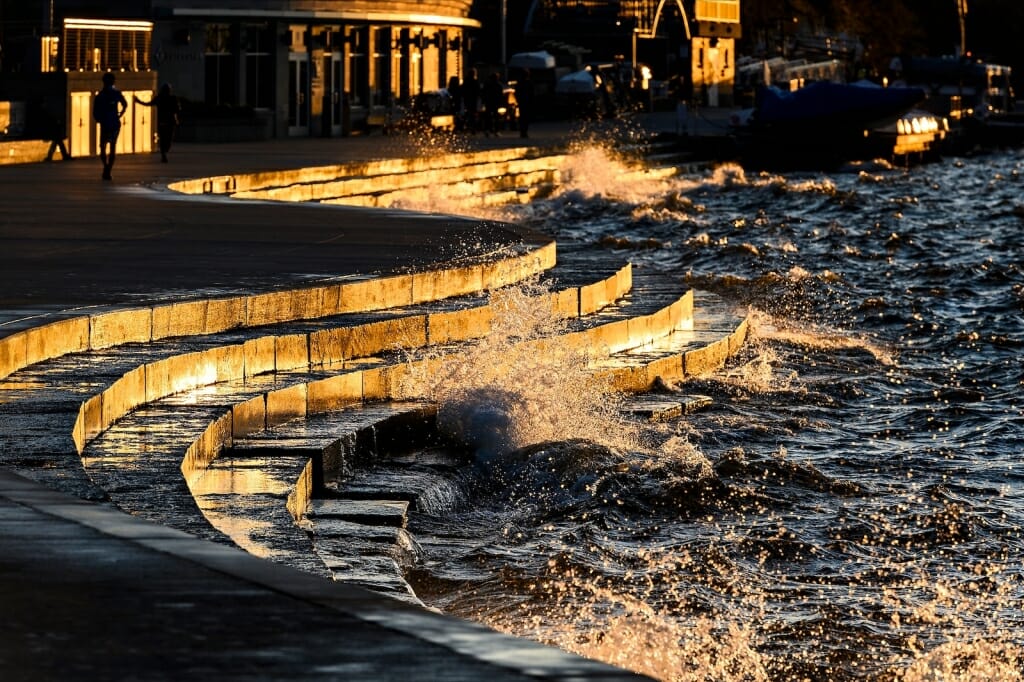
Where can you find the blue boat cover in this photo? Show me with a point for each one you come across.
(826, 102)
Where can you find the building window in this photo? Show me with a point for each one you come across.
(357, 76)
(718, 10)
(105, 45)
(259, 66)
(380, 70)
(220, 66)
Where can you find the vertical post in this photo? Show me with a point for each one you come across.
(504, 47)
(961, 8)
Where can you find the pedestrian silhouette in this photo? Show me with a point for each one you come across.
(168, 113)
(524, 102)
(492, 96)
(107, 108)
(471, 100)
(49, 126)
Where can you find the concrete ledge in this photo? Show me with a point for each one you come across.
(458, 325)
(249, 417)
(180, 319)
(267, 354)
(244, 184)
(286, 404)
(57, 338)
(333, 393)
(142, 325)
(120, 327)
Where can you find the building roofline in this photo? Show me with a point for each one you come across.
(321, 15)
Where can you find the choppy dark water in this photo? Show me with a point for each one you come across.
(851, 507)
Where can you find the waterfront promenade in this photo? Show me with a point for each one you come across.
(91, 593)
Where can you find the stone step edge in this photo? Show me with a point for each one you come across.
(414, 427)
(266, 354)
(244, 182)
(213, 315)
(274, 408)
(349, 184)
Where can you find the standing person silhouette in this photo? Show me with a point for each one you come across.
(524, 102)
(471, 100)
(107, 108)
(168, 110)
(492, 95)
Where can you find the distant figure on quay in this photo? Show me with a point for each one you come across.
(168, 114)
(524, 102)
(108, 108)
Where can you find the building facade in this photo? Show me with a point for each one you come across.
(690, 40)
(244, 69)
(316, 68)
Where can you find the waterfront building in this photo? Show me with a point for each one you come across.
(693, 41)
(246, 70)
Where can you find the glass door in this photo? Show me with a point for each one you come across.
(298, 94)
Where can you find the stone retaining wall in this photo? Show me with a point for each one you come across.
(336, 346)
(385, 383)
(210, 316)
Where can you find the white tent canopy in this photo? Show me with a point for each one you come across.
(576, 83)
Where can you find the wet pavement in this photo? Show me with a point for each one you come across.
(93, 593)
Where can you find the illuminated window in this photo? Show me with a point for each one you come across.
(718, 10)
(105, 45)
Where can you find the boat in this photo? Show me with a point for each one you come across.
(822, 124)
(976, 97)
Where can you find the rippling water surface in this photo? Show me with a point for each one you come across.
(852, 505)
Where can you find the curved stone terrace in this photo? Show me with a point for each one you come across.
(102, 270)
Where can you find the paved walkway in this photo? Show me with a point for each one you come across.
(90, 593)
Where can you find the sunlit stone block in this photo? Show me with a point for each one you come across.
(205, 449)
(642, 330)
(124, 395)
(594, 297)
(91, 413)
(624, 280)
(291, 352)
(376, 294)
(565, 303)
(375, 337)
(381, 383)
(682, 312)
(121, 326)
(706, 360)
(179, 319)
(739, 337)
(286, 404)
(13, 350)
(229, 361)
(330, 300)
(437, 284)
(249, 417)
(270, 308)
(625, 379)
(326, 345)
(56, 339)
(301, 494)
(333, 393)
(614, 336)
(670, 367)
(459, 325)
(225, 313)
(259, 355)
(78, 432)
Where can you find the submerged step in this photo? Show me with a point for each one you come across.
(665, 408)
(367, 512)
